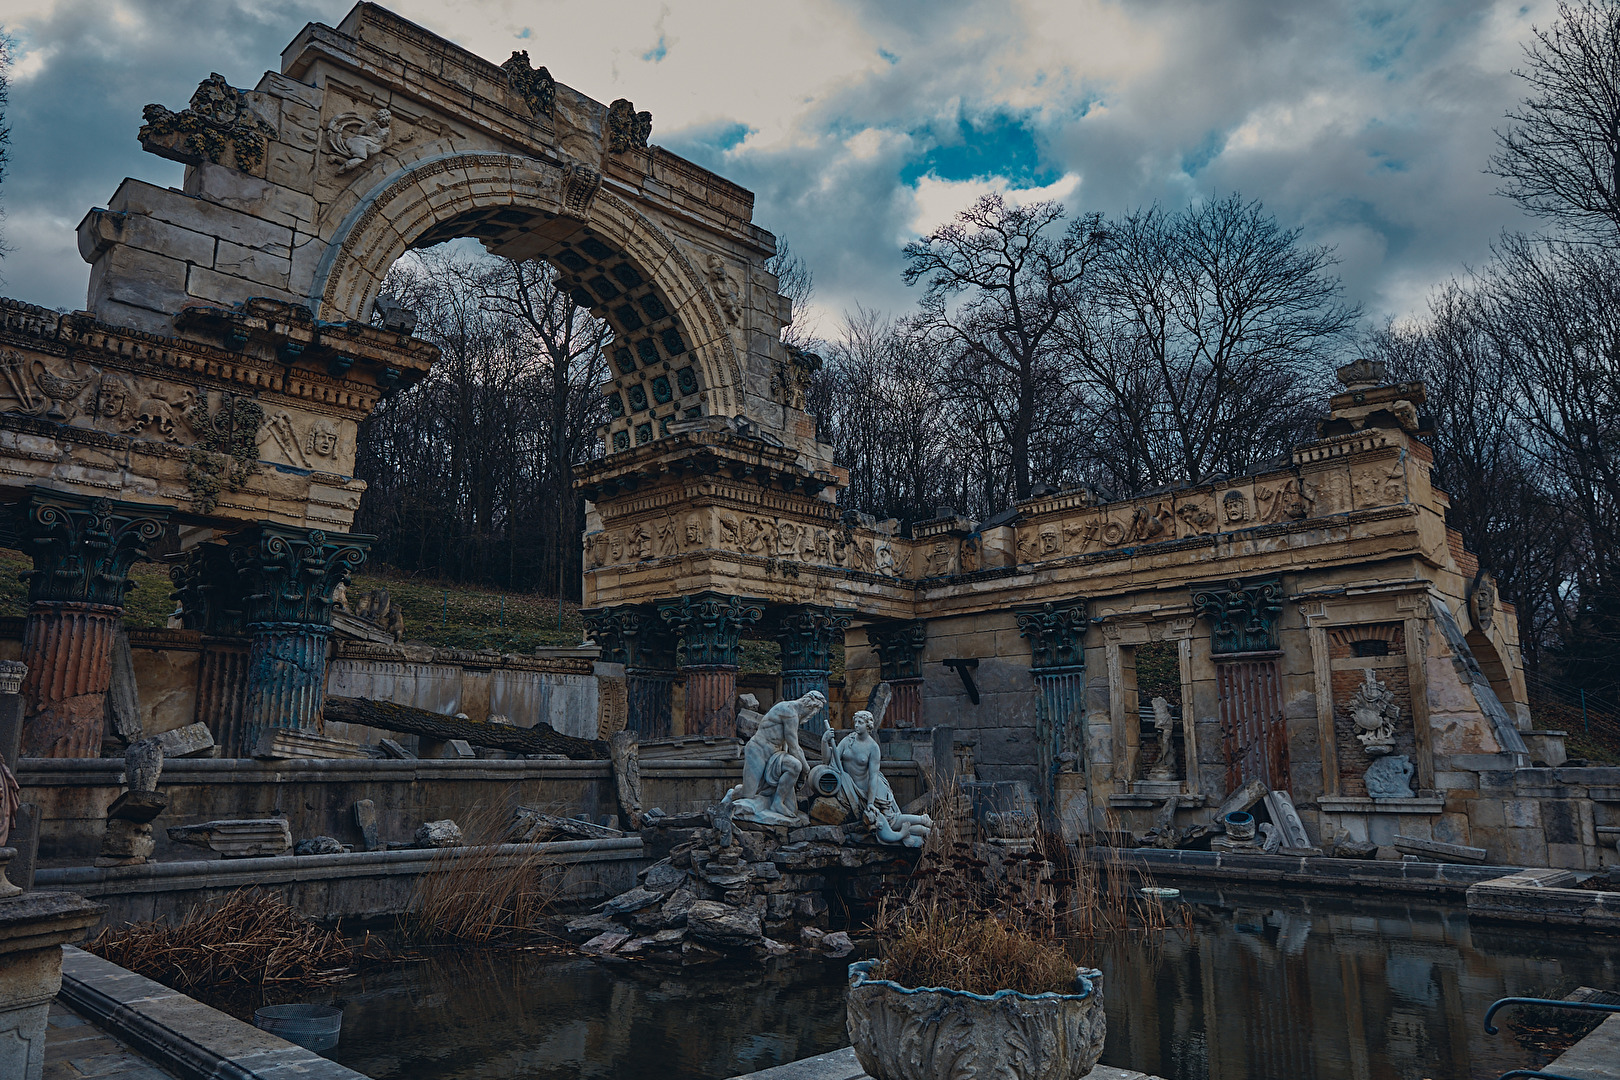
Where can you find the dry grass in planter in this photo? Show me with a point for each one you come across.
(980, 954)
(248, 941)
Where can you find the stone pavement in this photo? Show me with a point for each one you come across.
(76, 1048)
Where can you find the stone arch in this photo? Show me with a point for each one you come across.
(624, 268)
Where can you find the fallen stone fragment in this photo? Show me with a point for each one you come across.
(664, 877)
(589, 926)
(721, 924)
(237, 839)
(772, 947)
(536, 826)
(812, 937)
(606, 942)
(1441, 852)
(365, 819)
(126, 842)
(436, 834)
(138, 806)
(189, 741)
(837, 944)
(318, 845)
(392, 749)
(143, 764)
(633, 900)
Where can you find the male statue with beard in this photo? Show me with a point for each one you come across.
(773, 765)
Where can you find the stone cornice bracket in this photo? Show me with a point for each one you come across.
(899, 648)
(83, 546)
(1243, 615)
(1056, 634)
(534, 85)
(710, 626)
(807, 635)
(289, 574)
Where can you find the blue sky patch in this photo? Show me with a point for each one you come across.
(998, 145)
(657, 52)
(1208, 149)
(889, 56)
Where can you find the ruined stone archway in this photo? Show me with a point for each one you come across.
(673, 354)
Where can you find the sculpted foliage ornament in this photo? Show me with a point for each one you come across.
(291, 575)
(1055, 634)
(226, 452)
(220, 126)
(83, 548)
(534, 85)
(627, 129)
(710, 626)
(1243, 617)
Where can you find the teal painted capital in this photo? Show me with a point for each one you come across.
(1056, 634)
(288, 575)
(899, 648)
(209, 591)
(1243, 615)
(807, 635)
(710, 625)
(83, 547)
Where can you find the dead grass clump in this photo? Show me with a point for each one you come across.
(486, 892)
(979, 954)
(248, 941)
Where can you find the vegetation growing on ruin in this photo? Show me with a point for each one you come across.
(981, 955)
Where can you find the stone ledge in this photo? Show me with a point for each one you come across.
(1354, 804)
(179, 1033)
(237, 873)
(1537, 896)
(841, 1065)
(38, 920)
(1407, 875)
(1596, 1056)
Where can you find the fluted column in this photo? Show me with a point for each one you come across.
(807, 635)
(211, 601)
(287, 576)
(1056, 634)
(899, 647)
(82, 550)
(639, 638)
(710, 626)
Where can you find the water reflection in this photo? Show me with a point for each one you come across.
(1265, 988)
(1279, 988)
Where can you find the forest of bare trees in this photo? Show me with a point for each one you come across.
(1047, 349)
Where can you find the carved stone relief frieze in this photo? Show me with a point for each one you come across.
(353, 138)
(307, 442)
(762, 535)
(1379, 484)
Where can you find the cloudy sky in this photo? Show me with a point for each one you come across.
(862, 123)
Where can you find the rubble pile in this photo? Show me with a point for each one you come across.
(762, 894)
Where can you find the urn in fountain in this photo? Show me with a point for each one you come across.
(935, 1033)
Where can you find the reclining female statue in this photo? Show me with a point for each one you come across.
(862, 790)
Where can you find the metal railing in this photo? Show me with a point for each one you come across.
(1579, 1006)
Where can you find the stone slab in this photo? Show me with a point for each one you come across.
(181, 1034)
(1434, 849)
(282, 744)
(1596, 1057)
(185, 741)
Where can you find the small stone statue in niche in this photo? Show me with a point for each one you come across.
(773, 765)
(865, 795)
(1374, 712)
(1165, 767)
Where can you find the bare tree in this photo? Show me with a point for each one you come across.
(997, 279)
(1561, 159)
(794, 281)
(1206, 342)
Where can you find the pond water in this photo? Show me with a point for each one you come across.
(1266, 987)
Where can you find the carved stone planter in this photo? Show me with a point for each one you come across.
(937, 1034)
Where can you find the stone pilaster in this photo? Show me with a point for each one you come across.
(899, 648)
(1056, 634)
(82, 550)
(287, 577)
(710, 627)
(807, 635)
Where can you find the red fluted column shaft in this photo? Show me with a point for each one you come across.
(68, 649)
(711, 700)
(905, 707)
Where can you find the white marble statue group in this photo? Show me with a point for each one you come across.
(774, 764)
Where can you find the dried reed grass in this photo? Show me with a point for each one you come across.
(935, 947)
(485, 892)
(248, 941)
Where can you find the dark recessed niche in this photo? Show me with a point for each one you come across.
(1370, 647)
(627, 275)
(627, 317)
(626, 362)
(647, 350)
(596, 249)
(673, 344)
